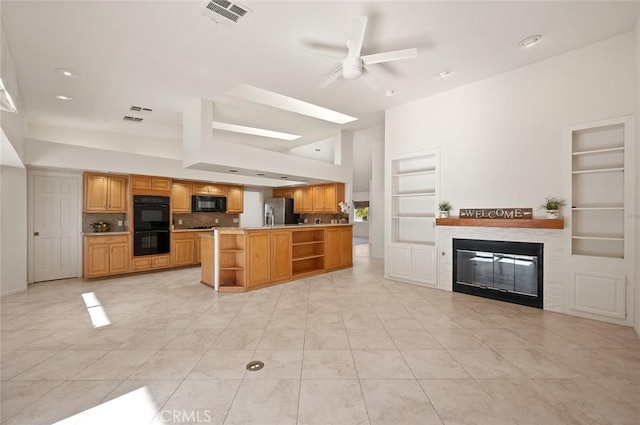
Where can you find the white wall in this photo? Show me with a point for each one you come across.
(360, 229)
(376, 201)
(13, 229)
(501, 138)
(637, 168)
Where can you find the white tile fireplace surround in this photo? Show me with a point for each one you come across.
(554, 267)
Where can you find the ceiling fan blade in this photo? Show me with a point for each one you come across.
(369, 79)
(318, 53)
(357, 35)
(394, 55)
(330, 78)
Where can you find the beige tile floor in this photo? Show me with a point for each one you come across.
(344, 348)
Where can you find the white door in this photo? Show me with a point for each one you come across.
(55, 227)
(253, 214)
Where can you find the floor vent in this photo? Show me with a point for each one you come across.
(132, 119)
(224, 12)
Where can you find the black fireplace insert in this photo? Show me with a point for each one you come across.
(501, 270)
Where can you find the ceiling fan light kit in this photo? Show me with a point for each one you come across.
(354, 65)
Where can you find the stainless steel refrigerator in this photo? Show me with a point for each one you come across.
(281, 209)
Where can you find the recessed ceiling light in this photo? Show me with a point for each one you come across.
(389, 93)
(233, 171)
(67, 72)
(443, 74)
(62, 97)
(530, 41)
(216, 125)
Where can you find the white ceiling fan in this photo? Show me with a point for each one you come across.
(355, 66)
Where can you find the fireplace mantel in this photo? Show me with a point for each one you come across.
(522, 223)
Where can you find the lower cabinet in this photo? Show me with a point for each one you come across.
(258, 248)
(598, 293)
(280, 256)
(106, 255)
(183, 248)
(414, 263)
(150, 262)
(339, 247)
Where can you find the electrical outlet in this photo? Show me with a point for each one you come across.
(179, 221)
(119, 223)
(235, 220)
(216, 221)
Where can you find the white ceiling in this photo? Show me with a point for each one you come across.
(163, 55)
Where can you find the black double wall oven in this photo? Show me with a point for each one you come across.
(150, 225)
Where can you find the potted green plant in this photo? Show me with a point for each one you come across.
(444, 207)
(553, 205)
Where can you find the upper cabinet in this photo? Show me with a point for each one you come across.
(318, 199)
(150, 184)
(333, 195)
(181, 197)
(209, 189)
(105, 193)
(235, 199)
(283, 192)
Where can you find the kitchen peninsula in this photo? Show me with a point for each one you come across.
(243, 259)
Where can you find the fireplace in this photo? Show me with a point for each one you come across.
(501, 270)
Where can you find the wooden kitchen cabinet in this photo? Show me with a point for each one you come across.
(283, 192)
(150, 183)
(105, 193)
(151, 262)
(302, 200)
(183, 248)
(181, 197)
(258, 244)
(333, 195)
(318, 198)
(235, 199)
(198, 247)
(106, 255)
(201, 188)
(280, 255)
(338, 247)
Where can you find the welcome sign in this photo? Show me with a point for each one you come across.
(496, 213)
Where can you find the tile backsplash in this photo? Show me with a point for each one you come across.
(201, 219)
(89, 218)
(324, 218)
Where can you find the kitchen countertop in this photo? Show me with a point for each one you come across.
(194, 230)
(287, 226)
(105, 233)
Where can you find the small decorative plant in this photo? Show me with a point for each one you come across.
(344, 207)
(101, 226)
(553, 205)
(444, 207)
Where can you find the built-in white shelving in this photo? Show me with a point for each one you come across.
(599, 234)
(413, 196)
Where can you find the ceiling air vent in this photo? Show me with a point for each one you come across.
(132, 119)
(140, 109)
(224, 11)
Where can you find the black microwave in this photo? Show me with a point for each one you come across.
(204, 203)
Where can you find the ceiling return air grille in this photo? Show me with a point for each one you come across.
(225, 12)
(132, 119)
